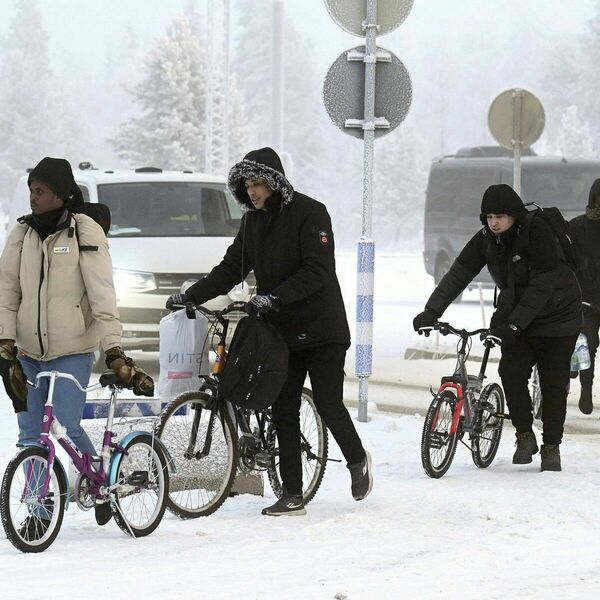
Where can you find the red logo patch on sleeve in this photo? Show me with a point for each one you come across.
(324, 237)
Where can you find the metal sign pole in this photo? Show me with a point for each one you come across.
(517, 142)
(366, 245)
(277, 76)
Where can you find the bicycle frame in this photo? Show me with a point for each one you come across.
(461, 382)
(82, 461)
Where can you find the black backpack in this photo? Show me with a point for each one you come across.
(559, 226)
(256, 366)
(97, 211)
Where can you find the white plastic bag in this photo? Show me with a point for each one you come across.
(183, 353)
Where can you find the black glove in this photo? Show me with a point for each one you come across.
(13, 377)
(505, 332)
(263, 304)
(177, 299)
(130, 375)
(425, 319)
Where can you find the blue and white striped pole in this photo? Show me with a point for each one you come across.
(366, 246)
(364, 322)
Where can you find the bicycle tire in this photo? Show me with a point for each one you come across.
(436, 438)
(185, 500)
(484, 448)
(536, 398)
(12, 502)
(130, 508)
(315, 434)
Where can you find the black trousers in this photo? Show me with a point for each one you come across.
(591, 325)
(553, 358)
(325, 367)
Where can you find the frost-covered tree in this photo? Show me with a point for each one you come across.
(34, 117)
(171, 131)
(400, 179)
(309, 137)
(169, 134)
(574, 139)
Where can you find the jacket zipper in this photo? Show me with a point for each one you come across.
(39, 323)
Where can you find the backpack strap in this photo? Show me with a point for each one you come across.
(82, 247)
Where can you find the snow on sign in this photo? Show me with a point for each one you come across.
(344, 92)
(350, 14)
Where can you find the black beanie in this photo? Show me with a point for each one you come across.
(501, 199)
(57, 174)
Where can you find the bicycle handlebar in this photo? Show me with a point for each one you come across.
(59, 375)
(447, 329)
(234, 306)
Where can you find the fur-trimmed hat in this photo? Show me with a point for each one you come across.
(262, 164)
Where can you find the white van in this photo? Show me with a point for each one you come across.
(168, 228)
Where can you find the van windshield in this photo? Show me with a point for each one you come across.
(565, 185)
(170, 209)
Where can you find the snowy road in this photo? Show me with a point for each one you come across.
(505, 532)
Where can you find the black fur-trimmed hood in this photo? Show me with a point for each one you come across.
(260, 164)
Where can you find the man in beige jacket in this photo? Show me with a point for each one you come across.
(57, 302)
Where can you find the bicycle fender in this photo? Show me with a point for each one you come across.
(115, 459)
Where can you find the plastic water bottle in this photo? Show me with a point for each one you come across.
(580, 359)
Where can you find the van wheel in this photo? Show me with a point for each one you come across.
(442, 267)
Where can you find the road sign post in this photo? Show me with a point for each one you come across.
(367, 109)
(516, 120)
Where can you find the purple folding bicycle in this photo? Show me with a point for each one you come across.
(131, 475)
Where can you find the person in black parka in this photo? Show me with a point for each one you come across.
(286, 238)
(537, 316)
(585, 235)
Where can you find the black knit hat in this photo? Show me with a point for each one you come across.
(57, 174)
(501, 199)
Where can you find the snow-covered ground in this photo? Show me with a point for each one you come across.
(505, 532)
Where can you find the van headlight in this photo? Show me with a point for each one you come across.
(133, 281)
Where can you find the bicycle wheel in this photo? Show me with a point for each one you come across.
(438, 444)
(313, 445)
(199, 484)
(143, 478)
(486, 439)
(32, 524)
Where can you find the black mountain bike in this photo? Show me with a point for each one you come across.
(200, 430)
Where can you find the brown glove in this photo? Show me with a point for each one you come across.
(13, 376)
(130, 375)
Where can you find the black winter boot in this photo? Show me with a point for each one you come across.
(526, 448)
(586, 406)
(362, 477)
(33, 528)
(103, 513)
(287, 505)
(550, 457)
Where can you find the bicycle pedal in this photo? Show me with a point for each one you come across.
(500, 415)
(138, 478)
(438, 440)
(263, 460)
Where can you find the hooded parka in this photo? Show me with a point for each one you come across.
(538, 292)
(290, 248)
